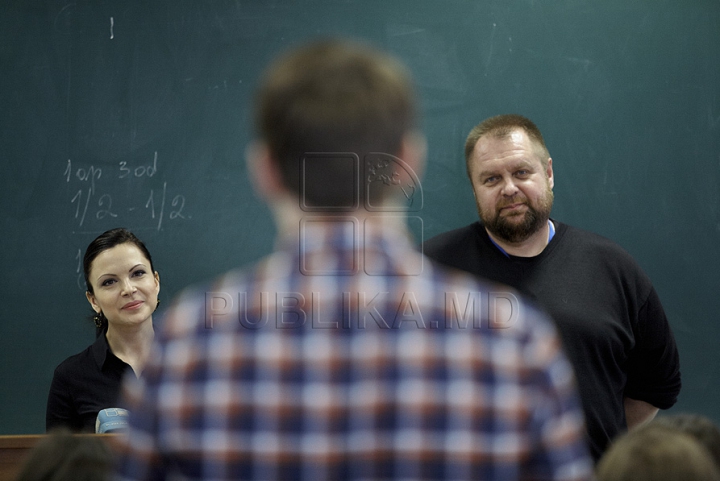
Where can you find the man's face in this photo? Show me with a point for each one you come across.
(513, 189)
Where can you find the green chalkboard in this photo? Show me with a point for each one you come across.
(136, 113)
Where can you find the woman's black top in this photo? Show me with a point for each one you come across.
(83, 385)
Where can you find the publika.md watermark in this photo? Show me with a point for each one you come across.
(360, 310)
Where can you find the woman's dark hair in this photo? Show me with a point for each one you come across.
(108, 240)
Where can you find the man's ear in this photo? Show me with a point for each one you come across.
(549, 173)
(264, 171)
(413, 150)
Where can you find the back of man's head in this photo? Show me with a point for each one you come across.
(332, 97)
(699, 427)
(657, 453)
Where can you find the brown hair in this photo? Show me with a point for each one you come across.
(657, 453)
(328, 97)
(699, 427)
(501, 126)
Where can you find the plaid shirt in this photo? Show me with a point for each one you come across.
(354, 357)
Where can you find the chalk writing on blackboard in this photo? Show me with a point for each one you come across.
(101, 197)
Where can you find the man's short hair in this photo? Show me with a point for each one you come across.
(656, 453)
(500, 127)
(332, 96)
(699, 427)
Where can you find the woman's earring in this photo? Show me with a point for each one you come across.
(98, 319)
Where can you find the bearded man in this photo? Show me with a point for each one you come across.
(610, 318)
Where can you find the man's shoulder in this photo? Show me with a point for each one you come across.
(447, 275)
(593, 244)
(461, 234)
(450, 241)
(593, 251)
(455, 287)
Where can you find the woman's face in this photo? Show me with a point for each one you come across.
(124, 288)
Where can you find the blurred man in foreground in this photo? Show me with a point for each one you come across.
(345, 354)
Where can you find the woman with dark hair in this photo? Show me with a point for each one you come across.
(122, 288)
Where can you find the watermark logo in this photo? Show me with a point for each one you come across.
(337, 188)
(339, 182)
(361, 310)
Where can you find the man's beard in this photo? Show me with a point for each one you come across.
(534, 218)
